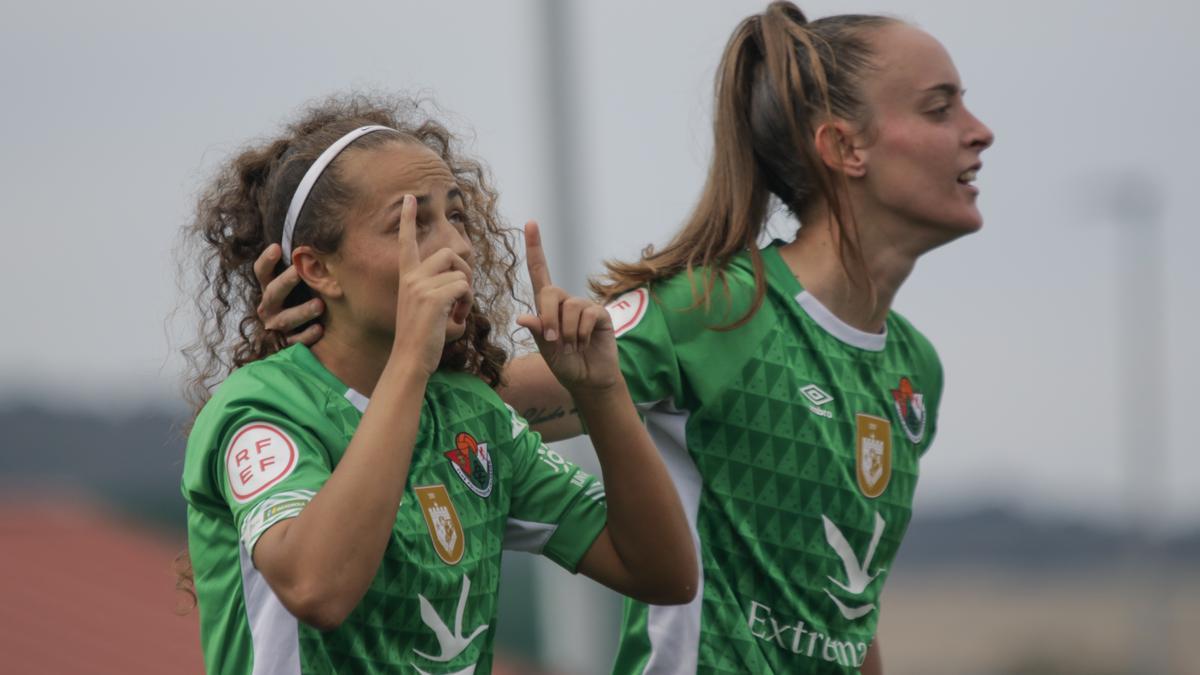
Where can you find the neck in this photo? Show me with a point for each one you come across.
(863, 296)
(356, 360)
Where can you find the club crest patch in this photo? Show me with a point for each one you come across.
(441, 518)
(872, 454)
(472, 463)
(259, 456)
(910, 407)
(627, 310)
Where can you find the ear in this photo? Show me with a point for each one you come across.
(835, 141)
(315, 271)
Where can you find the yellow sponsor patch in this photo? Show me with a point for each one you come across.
(872, 454)
(445, 529)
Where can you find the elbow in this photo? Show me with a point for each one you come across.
(669, 594)
(678, 594)
(686, 583)
(318, 605)
(322, 618)
(677, 589)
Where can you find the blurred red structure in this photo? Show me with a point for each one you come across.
(84, 591)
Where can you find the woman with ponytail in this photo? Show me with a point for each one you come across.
(348, 503)
(790, 402)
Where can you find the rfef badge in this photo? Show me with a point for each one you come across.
(872, 454)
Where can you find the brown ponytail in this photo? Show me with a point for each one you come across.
(780, 77)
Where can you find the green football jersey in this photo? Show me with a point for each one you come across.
(794, 442)
(480, 481)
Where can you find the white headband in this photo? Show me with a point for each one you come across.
(310, 178)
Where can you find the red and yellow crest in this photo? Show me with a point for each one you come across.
(910, 407)
(445, 529)
(473, 464)
(873, 454)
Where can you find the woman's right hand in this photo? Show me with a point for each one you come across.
(429, 291)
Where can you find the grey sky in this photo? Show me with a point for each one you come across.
(115, 113)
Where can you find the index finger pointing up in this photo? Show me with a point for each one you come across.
(410, 255)
(535, 258)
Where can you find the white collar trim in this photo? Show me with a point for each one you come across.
(874, 342)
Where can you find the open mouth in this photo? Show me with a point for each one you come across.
(967, 177)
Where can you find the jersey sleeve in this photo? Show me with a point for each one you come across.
(268, 468)
(557, 509)
(931, 383)
(937, 377)
(645, 347)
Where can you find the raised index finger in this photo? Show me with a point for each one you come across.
(410, 255)
(535, 258)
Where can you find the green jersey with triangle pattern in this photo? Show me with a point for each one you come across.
(480, 481)
(794, 442)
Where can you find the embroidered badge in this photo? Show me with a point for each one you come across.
(445, 529)
(910, 406)
(872, 454)
(627, 311)
(259, 456)
(472, 463)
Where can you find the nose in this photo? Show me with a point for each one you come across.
(979, 136)
(456, 240)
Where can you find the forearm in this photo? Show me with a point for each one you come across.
(873, 664)
(322, 562)
(533, 391)
(646, 522)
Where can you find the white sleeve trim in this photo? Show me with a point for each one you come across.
(527, 536)
(277, 507)
(674, 631)
(274, 632)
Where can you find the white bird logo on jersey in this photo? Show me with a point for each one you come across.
(857, 577)
(451, 644)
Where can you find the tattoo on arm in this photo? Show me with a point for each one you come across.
(539, 415)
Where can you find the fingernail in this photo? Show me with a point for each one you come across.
(551, 335)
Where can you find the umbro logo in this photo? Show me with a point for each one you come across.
(815, 394)
(817, 397)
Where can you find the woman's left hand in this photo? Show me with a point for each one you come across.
(574, 335)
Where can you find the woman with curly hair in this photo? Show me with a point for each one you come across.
(348, 503)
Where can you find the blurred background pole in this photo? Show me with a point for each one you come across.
(578, 619)
(562, 229)
(1135, 203)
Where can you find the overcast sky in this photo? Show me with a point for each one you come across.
(115, 113)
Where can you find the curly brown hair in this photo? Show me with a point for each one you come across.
(242, 210)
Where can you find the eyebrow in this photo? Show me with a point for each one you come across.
(947, 88)
(422, 200)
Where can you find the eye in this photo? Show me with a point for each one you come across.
(940, 112)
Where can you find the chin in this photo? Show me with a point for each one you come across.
(966, 221)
